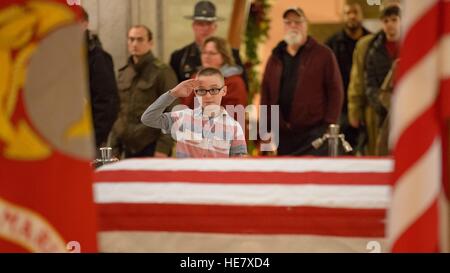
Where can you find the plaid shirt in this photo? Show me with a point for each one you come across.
(197, 135)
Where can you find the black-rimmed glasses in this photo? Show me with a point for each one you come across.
(213, 91)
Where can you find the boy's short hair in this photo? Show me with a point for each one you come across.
(392, 10)
(210, 71)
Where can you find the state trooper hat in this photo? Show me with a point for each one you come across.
(204, 11)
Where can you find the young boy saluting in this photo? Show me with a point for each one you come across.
(206, 131)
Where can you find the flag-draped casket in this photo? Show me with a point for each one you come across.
(243, 205)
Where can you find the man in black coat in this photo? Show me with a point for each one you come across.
(104, 96)
(343, 44)
(186, 61)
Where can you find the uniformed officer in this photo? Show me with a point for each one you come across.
(186, 61)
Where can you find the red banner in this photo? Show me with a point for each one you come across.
(46, 141)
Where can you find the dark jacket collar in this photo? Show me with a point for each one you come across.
(92, 40)
(143, 61)
(380, 39)
(344, 36)
(193, 49)
(281, 47)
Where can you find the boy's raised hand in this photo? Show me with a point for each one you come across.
(184, 88)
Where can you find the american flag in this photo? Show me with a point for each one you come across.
(243, 205)
(418, 217)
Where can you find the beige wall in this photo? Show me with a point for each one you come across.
(110, 19)
(317, 11)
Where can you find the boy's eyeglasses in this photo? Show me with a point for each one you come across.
(213, 91)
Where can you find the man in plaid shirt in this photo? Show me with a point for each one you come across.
(206, 131)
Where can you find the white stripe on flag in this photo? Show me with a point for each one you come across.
(268, 165)
(444, 217)
(444, 57)
(222, 194)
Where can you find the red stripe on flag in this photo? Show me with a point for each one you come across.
(445, 19)
(242, 219)
(414, 240)
(445, 160)
(245, 177)
(422, 38)
(444, 99)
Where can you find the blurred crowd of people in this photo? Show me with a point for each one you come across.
(348, 81)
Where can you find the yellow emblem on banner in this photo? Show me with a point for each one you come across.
(21, 28)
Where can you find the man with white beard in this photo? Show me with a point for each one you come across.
(303, 78)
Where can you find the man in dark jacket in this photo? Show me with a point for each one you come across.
(102, 86)
(380, 57)
(141, 81)
(186, 61)
(343, 44)
(302, 77)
